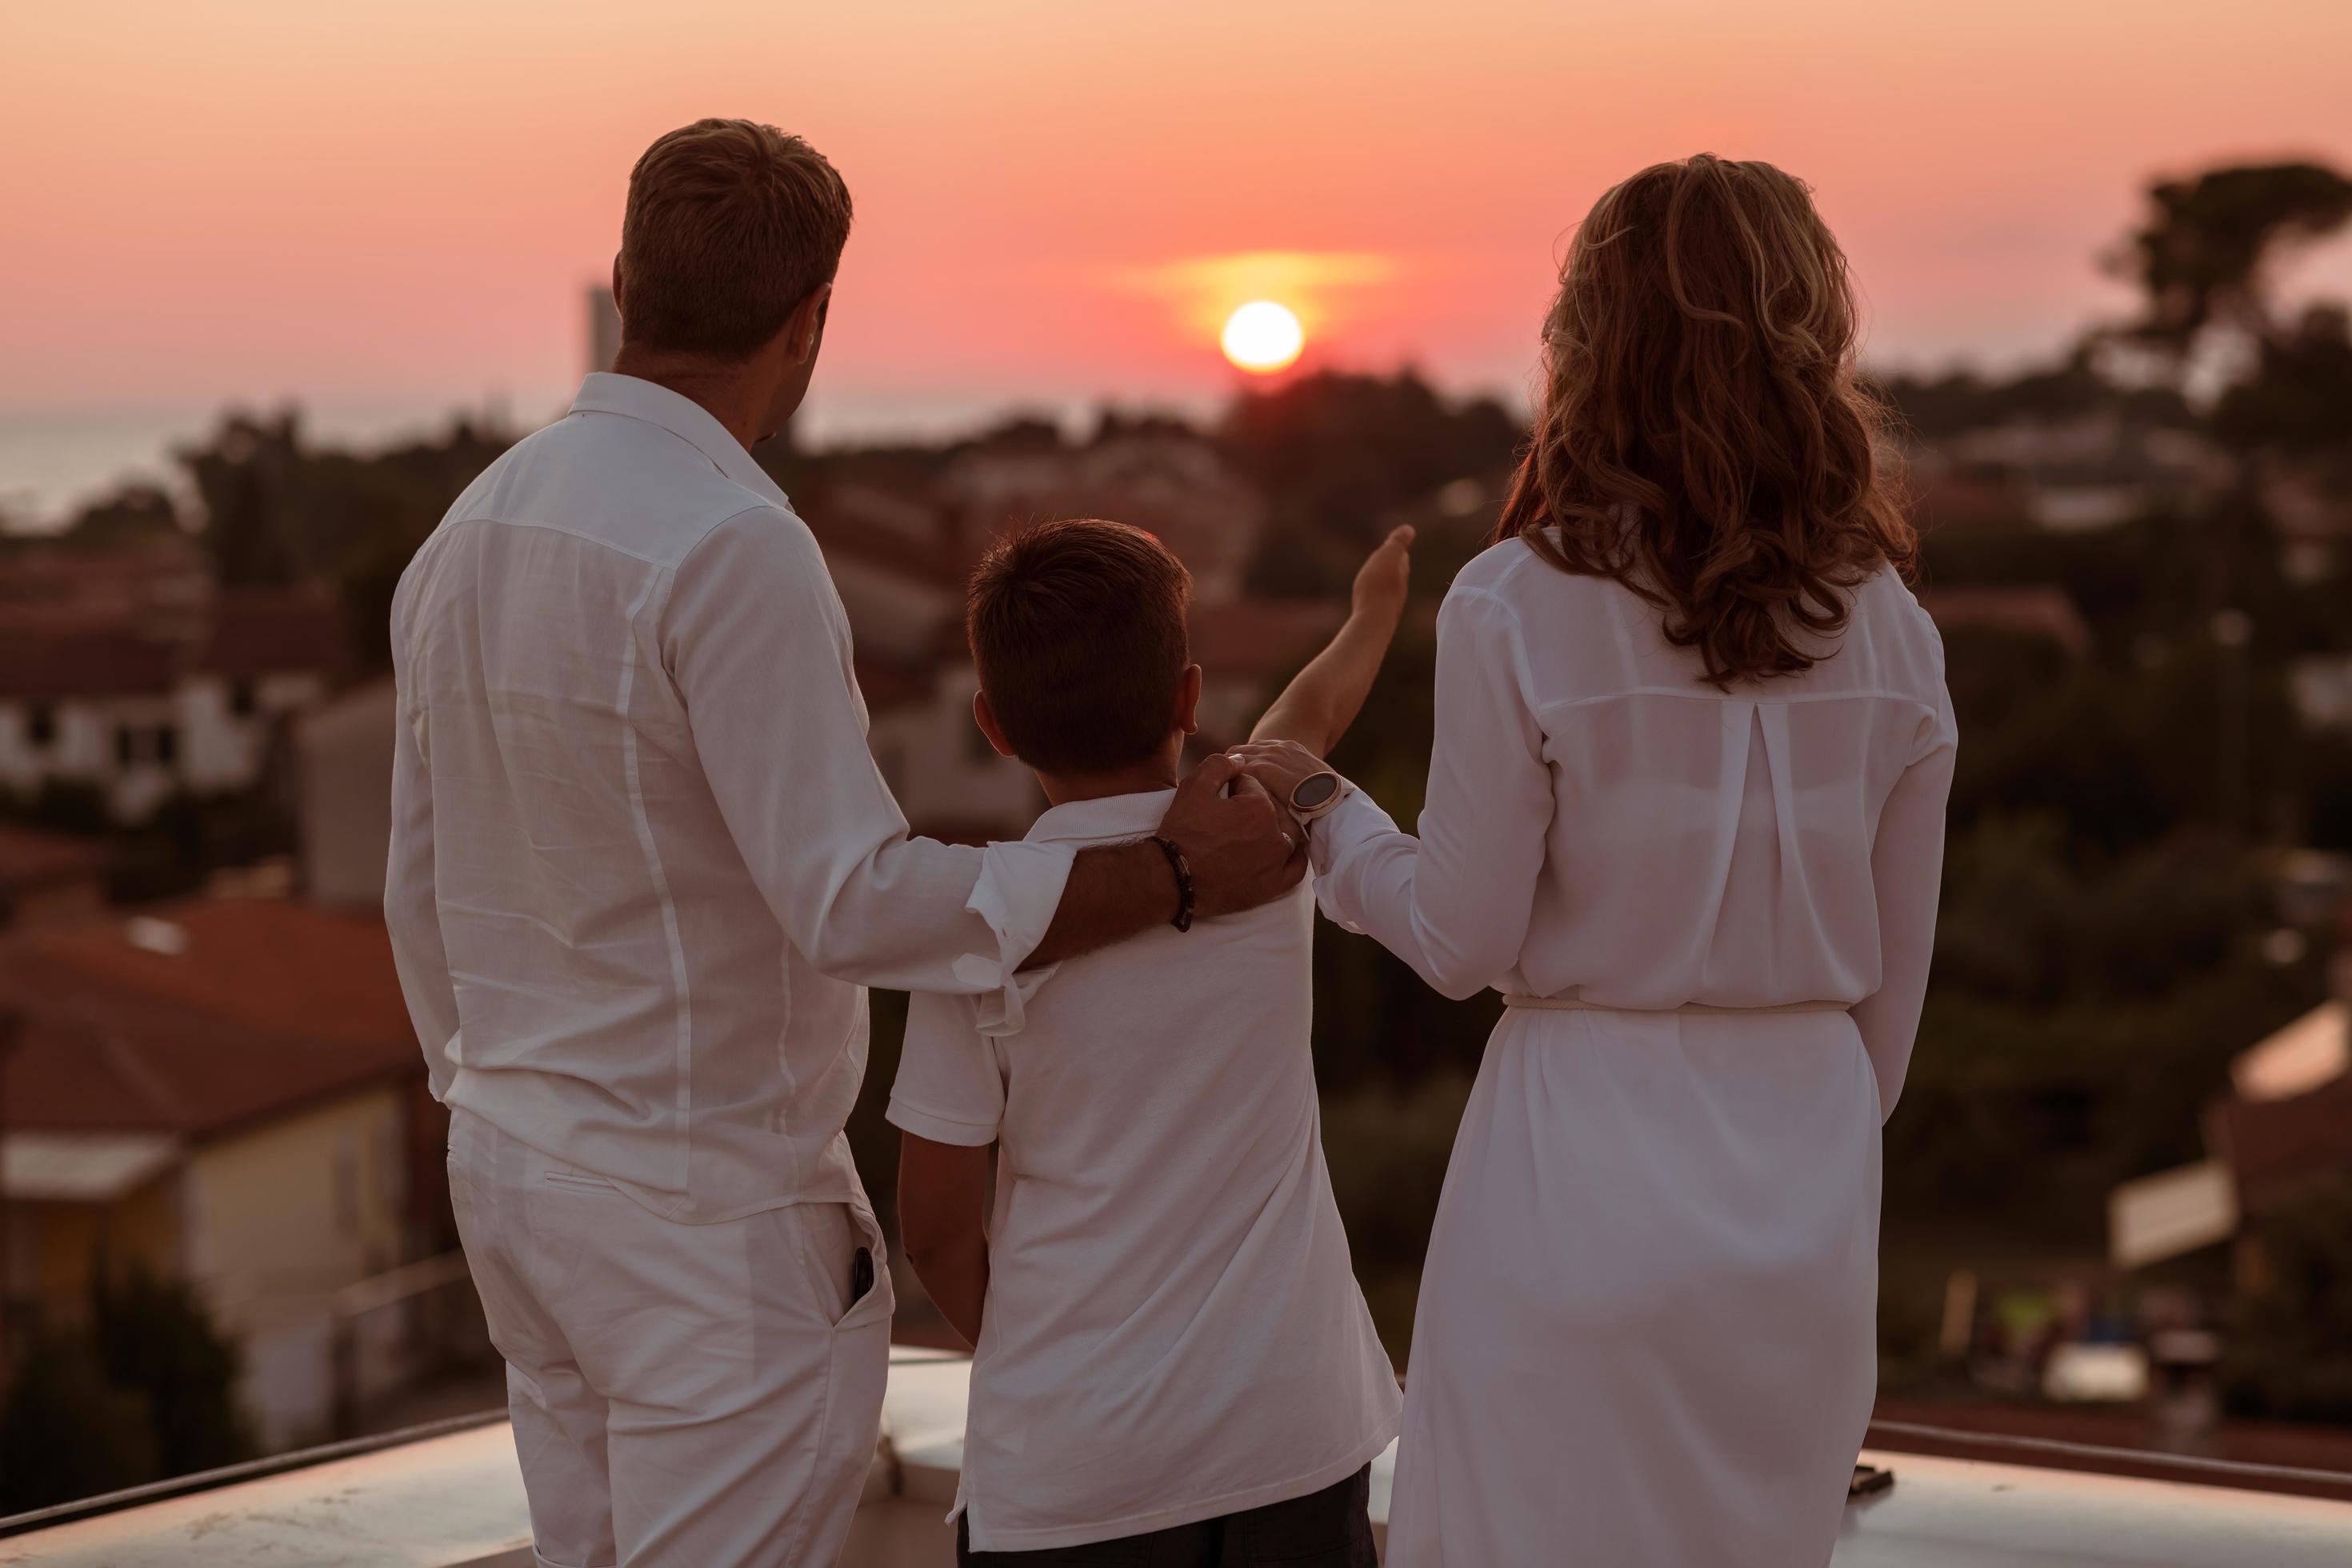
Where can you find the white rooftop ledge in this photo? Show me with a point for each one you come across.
(454, 1498)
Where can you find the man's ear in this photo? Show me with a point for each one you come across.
(1188, 701)
(985, 717)
(618, 289)
(805, 327)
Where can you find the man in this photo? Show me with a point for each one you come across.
(642, 863)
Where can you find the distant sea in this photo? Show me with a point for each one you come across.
(52, 461)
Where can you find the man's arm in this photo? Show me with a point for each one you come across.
(752, 638)
(1119, 890)
(1321, 700)
(942, 1189)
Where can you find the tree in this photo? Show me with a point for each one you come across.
(278, 510)
(133, 514)
(2204, 255)
(69, 1431)
(1336, 453)
(154, 1337)
(2291, 1353)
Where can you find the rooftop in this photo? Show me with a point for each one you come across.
(2042, 610)
(119, 651)
(32, 858)
(195, 1016)
(451, 1495)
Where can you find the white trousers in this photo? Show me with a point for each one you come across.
(698, 1395)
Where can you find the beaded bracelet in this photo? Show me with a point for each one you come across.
(1183, 869)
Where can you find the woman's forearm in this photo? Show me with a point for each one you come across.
(1316, 708)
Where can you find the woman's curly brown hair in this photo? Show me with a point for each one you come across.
(1702, 438)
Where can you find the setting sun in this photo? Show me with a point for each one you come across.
(1263, 337)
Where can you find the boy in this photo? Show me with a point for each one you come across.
(1173, 1363)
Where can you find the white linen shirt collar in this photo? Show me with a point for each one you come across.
(633, 397)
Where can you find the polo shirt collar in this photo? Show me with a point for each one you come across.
(1111, 816)
(633, 397)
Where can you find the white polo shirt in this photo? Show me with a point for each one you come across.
(1173, 1330)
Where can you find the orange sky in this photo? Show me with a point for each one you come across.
(339, 200)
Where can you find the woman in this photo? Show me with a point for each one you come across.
(1686, 810)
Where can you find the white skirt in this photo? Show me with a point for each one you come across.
(1647, 1323)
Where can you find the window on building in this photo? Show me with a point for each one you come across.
(41, 724)
(244, 697)
(126, 746)
(167, 744)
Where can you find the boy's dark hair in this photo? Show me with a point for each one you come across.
(1078, 630)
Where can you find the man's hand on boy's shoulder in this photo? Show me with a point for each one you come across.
(1244, 849)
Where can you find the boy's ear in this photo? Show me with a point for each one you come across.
(985, 717)
(1188, 701)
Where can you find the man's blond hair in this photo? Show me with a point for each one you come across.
(729, 225)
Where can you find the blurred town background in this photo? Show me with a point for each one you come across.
(2119, 1185)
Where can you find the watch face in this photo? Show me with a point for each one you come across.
(1314, 790)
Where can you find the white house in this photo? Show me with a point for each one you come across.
(141, 710)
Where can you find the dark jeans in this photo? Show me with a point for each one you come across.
(1329, 1529)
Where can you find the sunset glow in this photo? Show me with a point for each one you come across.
(1061, 203)
(1263, 337)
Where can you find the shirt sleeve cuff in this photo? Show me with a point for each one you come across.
(1345, 825)
(938, 1129)
(1020, 888)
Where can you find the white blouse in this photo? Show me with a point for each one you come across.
(1602, 822)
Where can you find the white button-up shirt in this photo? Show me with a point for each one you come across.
(641, 861)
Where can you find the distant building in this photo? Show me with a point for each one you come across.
(2312, 519)
(2070, 473)
(899, 561)
(1246, 649)
(129, 678)
(948, 779)
(161, 588)
(342, 770)
(2286, 1126)
(227, 1091)
(1170, 481)
(2031, 609)
(2320, 685)
(49, 878)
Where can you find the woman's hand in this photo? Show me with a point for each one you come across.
(1381, 582)
(1280, 765)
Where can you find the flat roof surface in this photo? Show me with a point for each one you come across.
(456, 1497)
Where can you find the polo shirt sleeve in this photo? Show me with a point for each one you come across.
(951, 1087)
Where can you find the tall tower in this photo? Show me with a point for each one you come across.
(604, 328)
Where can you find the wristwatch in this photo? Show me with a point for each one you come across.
(1316, 793)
